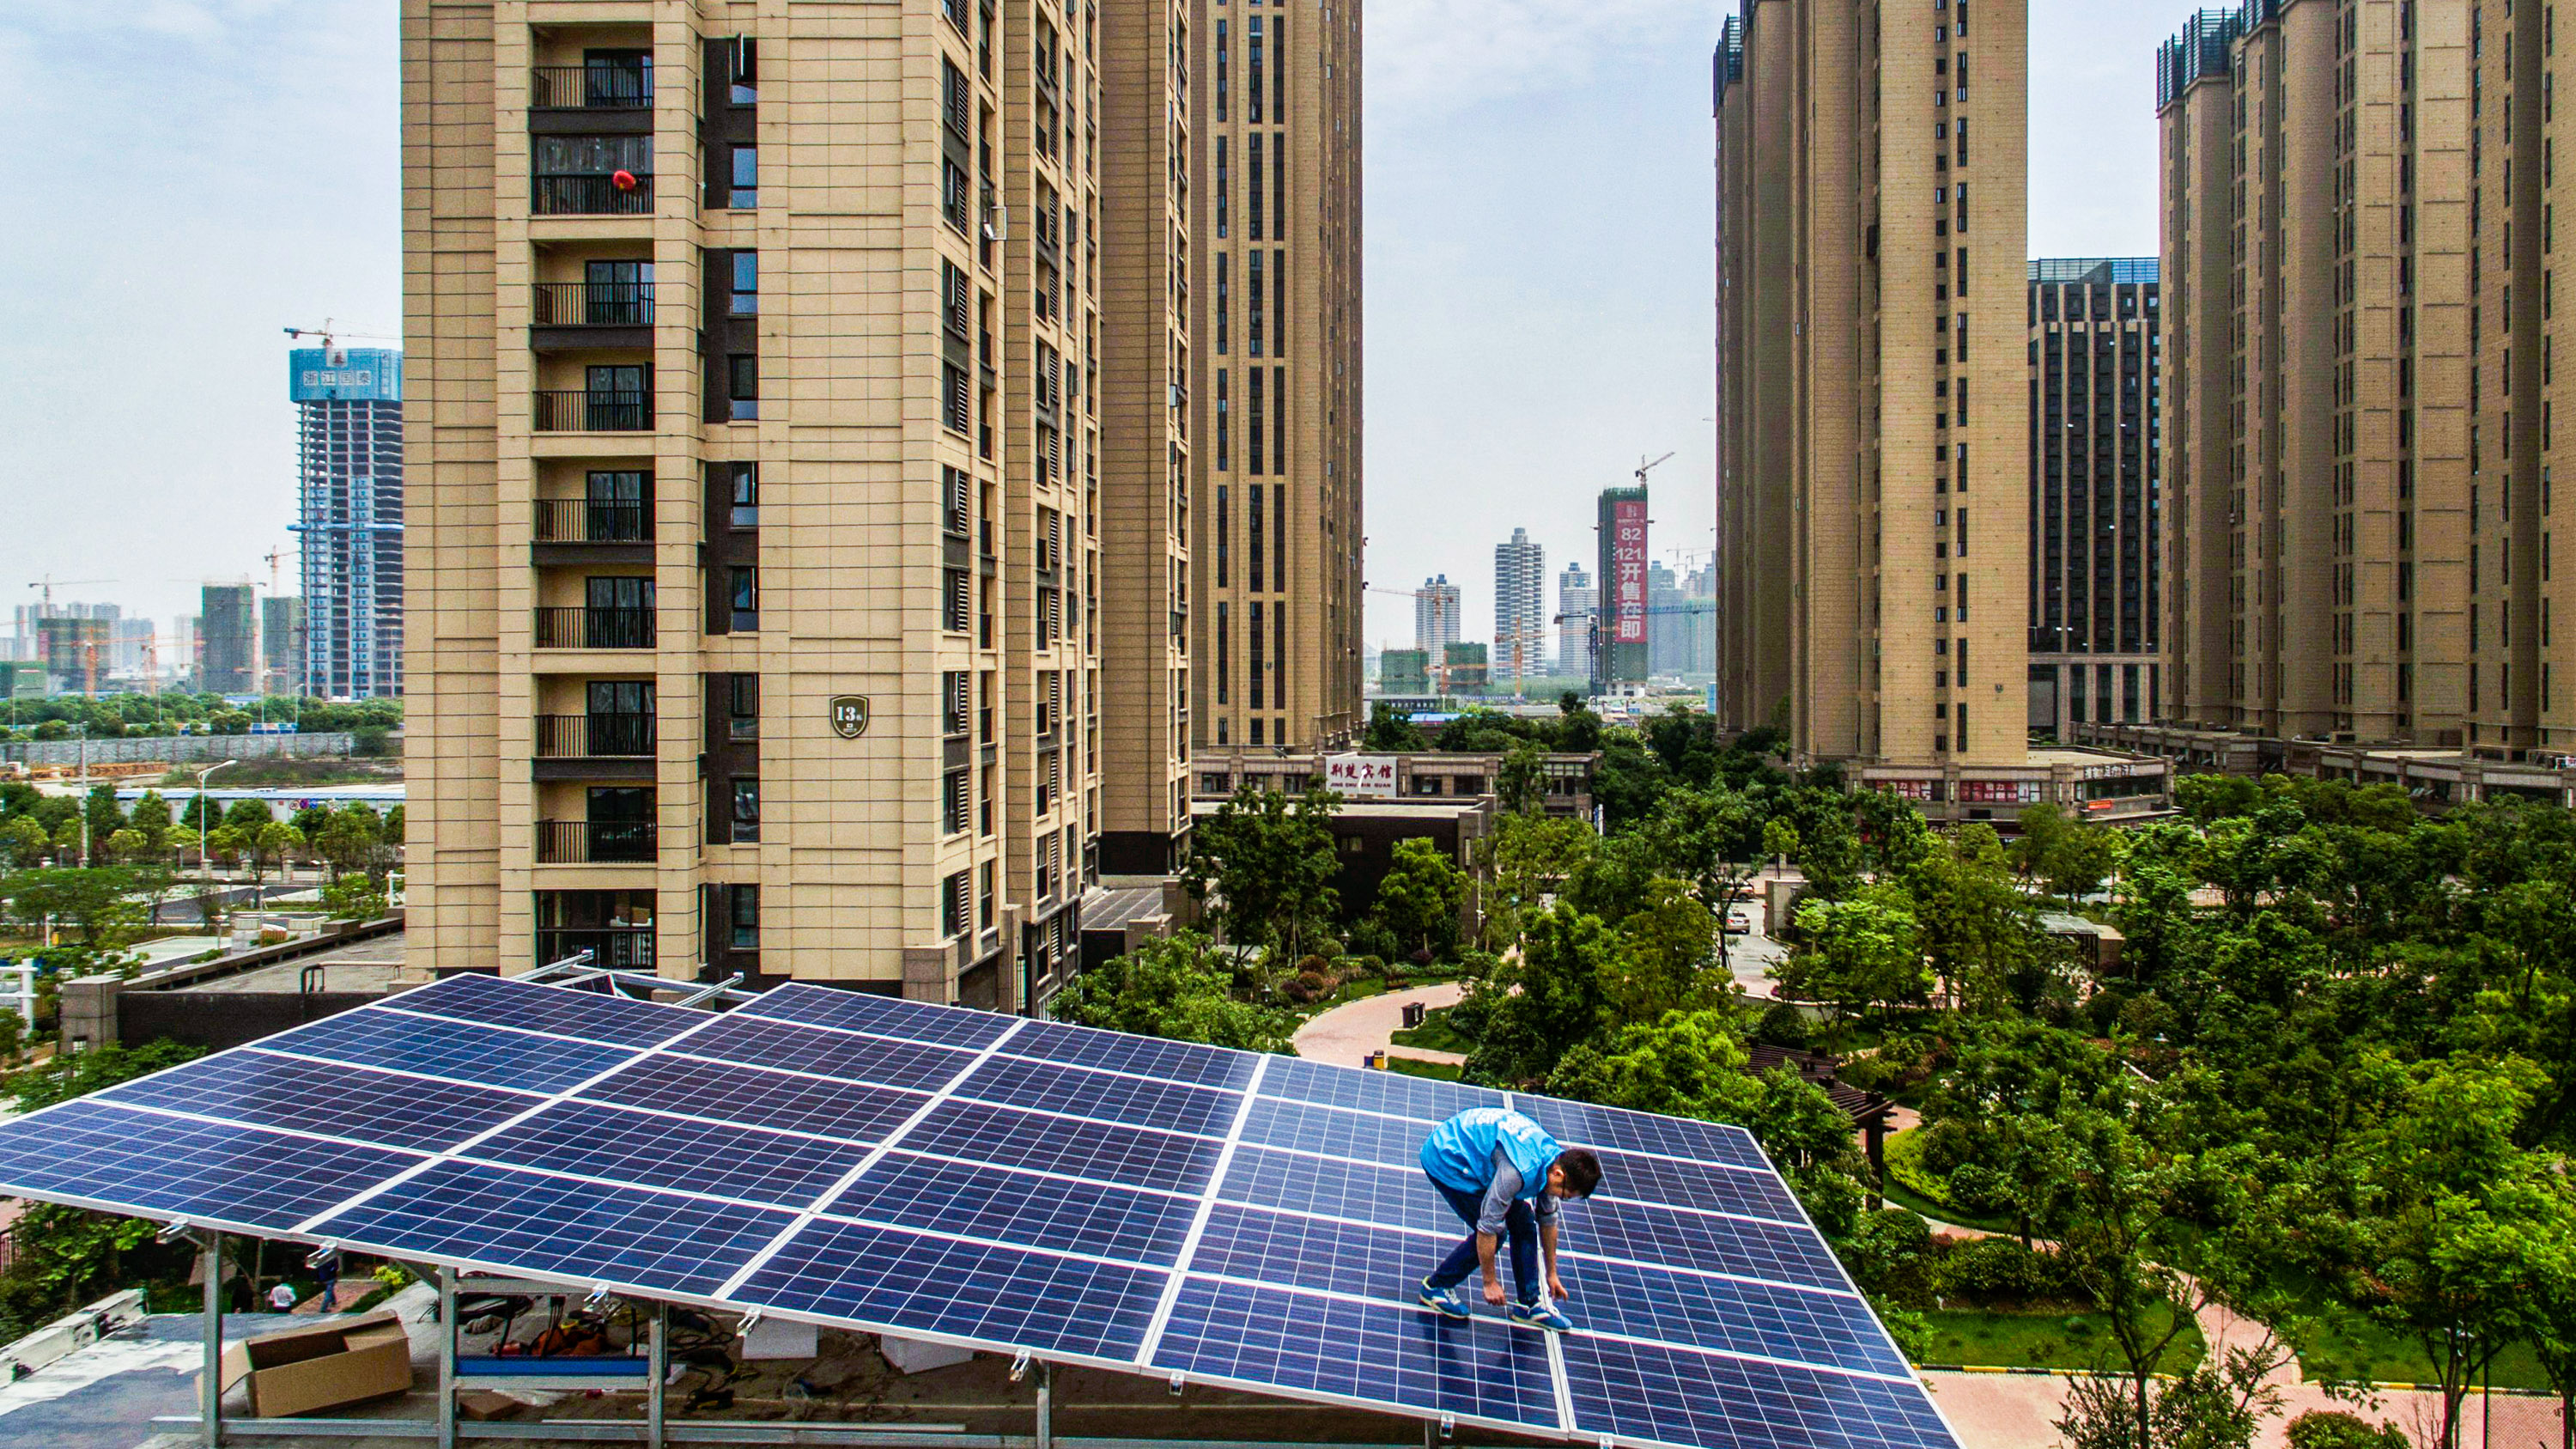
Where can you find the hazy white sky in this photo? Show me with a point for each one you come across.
(194, 175)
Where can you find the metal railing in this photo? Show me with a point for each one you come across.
(577, 411)
(594, 736)
(594, 842)
(587, 195)
(586, 628)
(588, 520)
(592, 304)
(590, 87)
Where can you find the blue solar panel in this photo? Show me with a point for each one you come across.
(1020, 1207)
(759, 1043)
(1743, 1191)
(1574, 1123)
(589, 1015)
(1336, 1187)
(1137, 1156)
(881, 1015)
(911, 1281)
(1390, 1092)
(1175, 1061)
(1394, 1141)
(326, 1098)
(1080, 1092)
(1367, 1352)
(620, 1146)
(756, 1098)
(149, 1163)
(1679, 1396)
(1303, 1252)
(375, 1037)
(1642, 1233)
(1834, 1330)
(580, 1232)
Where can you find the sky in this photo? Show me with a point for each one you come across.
(197, 175)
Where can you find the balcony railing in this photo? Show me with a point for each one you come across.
(587, 195)
(593, 304)
(590, 87)
(594, 842)
(576, 411)
(585, 520)
(594, 736)
(582, 628)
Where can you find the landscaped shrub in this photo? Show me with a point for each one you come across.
(2001, 1271)
(2334, 1429)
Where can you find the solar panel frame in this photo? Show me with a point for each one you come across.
(1360, 1153)
(592, 1016)
(460, 1051)
(329, 1099)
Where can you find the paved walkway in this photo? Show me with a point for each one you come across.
(1347, 1034)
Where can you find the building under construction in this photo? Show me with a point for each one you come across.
(349, 489)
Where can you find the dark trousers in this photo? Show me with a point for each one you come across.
(1520, 1227)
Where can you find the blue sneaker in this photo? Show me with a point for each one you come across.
(1443, 1301)
(1540, 1315)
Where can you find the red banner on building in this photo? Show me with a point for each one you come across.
(1627, 581)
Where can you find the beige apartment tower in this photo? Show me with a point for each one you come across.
(1274, 387)
(763, 520)
(1873, 435)
(2357, 196)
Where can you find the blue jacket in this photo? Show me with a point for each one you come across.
(1459, 1153)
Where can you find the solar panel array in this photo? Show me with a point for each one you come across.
(1257, 1222)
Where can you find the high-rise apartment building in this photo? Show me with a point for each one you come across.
(2355, 204)
(281, 644)
(1520, 609)
(230, 618)
(1619, 642)
(349, 505)
(1436, 611)
(2096, 564)
(1274, 134)
(756, 410)
(1576, 601)
(1873, 405)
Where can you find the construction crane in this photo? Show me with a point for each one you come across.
(1644, 467)
(49, 583)
(331, 335)
(273, 555)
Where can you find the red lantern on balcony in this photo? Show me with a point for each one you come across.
(623, 180)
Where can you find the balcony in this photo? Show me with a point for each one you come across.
(577, 531)
(625, 86)
(577, 411)
(569, 316)
(594, 747)
(595, 842)
(589, 195)
(585, 628)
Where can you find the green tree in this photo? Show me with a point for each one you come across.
(105, 815)
(1669, 963)
(24, 842)
(1780, 840)
(224, 846)
(1859, 953)
(1985, 946)
(1529, 858)
(1521, 783)
(1419, 898)
(1392, 732)
(1681, 1064)
(353, 897)
(95, 906)
(1262, 867)
(1528, 1013)
(1177, 988)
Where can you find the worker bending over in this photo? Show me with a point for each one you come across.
(1502, 1173)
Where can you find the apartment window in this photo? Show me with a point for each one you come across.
(742, 917)
(1279, 443)
(1224, 646)
(984, 897)
(742, 86)
(1224, 182)
(1252, 73)
(744, 299)
(956, 801)
(744, 488)
(956, 399)
(952, 194)
(954, 704)
(1253, 637)
(742, 181)
(954, 97)
(956, 600)
(1253, 552)
(1224, 285)
(593, 175)
(742, 594)
(1256, 314)
(1252, 193)
(742, 386)
(1252, 431)
(1221, 69)
(958, 297)
(953, 905)
(746, 809)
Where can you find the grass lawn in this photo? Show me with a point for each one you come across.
(1434, 1035)
(1984, 1338)
(1899, 1195)
(2370, 1351)
(1438, 1071)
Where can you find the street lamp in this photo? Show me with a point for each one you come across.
(201, 813)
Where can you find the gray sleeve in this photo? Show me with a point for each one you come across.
(1498, 1196)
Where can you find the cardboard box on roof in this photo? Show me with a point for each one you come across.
(298, 1370)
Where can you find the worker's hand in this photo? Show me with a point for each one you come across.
(1494, 1292)
(1556, 1287)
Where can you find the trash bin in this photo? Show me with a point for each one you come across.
(1412, 1015)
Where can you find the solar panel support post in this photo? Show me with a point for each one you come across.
(658, 1361)
(1045, 1428)
(211, 1390)
(446, 1357)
